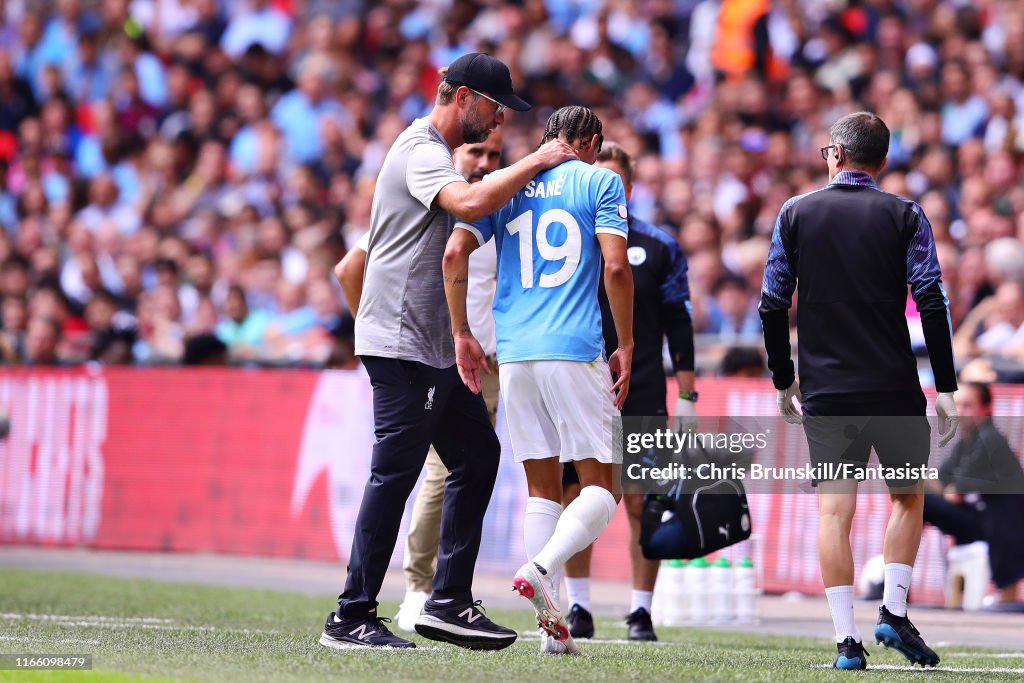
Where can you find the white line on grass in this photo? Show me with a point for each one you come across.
(161, 627)
(357, 649)
(952, 669)
(986, 655)
(89, 617)
(54, 641)
(533, 635)
(148, 623)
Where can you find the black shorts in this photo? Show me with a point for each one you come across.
(842, 429)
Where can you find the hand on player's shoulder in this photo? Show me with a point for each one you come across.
(554, 152)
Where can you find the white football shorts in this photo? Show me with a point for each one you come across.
(559, 408)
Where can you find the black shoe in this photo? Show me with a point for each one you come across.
(581, 622)
(640, 626)
(852, 655)
(899, 634)
(464, 624)
(368, 631)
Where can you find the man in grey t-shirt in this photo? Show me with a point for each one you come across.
(475, 161)
(404, 339)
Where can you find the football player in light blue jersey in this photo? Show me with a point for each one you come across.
(559, 396)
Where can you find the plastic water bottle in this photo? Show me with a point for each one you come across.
(721, 591)
(674, 587)
(697, 580)
(745, 590)
(659, 601)
(683, 595)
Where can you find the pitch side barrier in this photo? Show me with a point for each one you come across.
(273, 463)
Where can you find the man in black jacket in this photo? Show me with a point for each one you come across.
(850, 250)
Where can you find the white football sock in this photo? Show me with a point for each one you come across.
(897, 583)
(579, 526)
(578, 589)
(539, 524)
(840, 603)
(640, 599)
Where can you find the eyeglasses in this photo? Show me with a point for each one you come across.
(501, 107)
(824, 151)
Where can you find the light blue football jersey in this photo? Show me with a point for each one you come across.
(549, 262)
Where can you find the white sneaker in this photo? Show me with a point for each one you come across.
(538, 589)
(410, 609)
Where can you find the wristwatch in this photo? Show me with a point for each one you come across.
(689, 396)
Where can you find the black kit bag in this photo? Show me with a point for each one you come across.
(694, 517)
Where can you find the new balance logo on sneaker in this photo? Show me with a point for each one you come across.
(361, 632)
(469, 615)
(463, 624)
(368, 631)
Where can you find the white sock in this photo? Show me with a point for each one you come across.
(897, 583)
(840, 603)
(579, 526)
(578, 589)
(640, 599)
(539, 524)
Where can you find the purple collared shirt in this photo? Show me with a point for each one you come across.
(853, 178)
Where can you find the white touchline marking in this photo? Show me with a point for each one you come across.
(148, 623)
(89, 617)
(55, 641)
(532, 635)
(164, 627)
(986, 655)
(353, 648)
(952, 669)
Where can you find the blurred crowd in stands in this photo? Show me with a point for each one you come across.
(180, 176)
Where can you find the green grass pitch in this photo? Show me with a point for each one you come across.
(148, 630)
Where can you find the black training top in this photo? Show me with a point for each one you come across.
(850, 250)
(661, 307)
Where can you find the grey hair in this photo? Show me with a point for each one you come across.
(864, 137)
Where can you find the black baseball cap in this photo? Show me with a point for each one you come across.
(479, 71)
